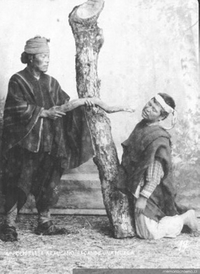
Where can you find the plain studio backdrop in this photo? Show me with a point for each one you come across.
(144, 50)
(150, 46)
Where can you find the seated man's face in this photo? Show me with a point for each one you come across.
(152, 111)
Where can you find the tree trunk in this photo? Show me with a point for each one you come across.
(89, 39)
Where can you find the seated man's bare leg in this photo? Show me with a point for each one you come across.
(189, 218)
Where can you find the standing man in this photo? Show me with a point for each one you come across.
(43, 134)
(146, 162)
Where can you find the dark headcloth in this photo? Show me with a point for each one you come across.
(37, 45)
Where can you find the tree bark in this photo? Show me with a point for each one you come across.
(89, 40)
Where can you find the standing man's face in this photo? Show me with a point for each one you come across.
(41, 62)
(152, 111)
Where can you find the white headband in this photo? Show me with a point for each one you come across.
(168, 109)
(165, 106)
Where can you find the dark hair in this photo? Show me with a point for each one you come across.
(26, 58)
(168, 100)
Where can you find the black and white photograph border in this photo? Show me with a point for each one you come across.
(136, 50)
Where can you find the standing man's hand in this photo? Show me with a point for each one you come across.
(140, 205)
(89, 103)
(52, 113)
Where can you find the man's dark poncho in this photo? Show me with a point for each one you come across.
(141, 148)
(67, 139)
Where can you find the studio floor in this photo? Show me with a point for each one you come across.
(90, 244)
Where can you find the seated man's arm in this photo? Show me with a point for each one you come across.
(154, 175)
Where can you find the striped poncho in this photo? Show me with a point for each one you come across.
(67, 137)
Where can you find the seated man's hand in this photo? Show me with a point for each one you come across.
(140, 205)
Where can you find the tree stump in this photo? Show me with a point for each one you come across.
(89, 40)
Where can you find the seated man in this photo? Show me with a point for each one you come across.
(147, 164)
